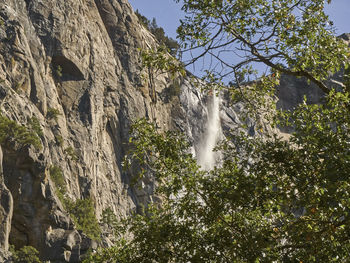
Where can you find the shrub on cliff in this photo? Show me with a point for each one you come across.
(26, 254)
(171, 44)
(11, 131)
(83, 214)
(82, 211)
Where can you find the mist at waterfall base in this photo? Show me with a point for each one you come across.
(206, 157)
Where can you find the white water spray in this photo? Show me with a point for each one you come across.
(206, 156)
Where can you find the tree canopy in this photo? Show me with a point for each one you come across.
(271, 201)
(294, 37)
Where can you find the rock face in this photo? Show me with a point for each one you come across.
(6, 211)
(74, 66)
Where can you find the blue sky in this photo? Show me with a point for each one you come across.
(168, 13)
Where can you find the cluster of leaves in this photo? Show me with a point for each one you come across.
(171, 44)
(26, 254)
(57, 177)
(82, 211)
(35, 126)
(109, 218)
(347, 79)
(71, 153)
(83, 214)
(293, 37)
(120, 253)
(53, 113)
(157, 61)
(11, 131)
(58, 72)
(59, 140)
(274, 200)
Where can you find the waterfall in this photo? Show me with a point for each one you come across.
(206, 157)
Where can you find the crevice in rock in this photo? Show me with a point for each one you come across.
(115, 139)
(108, 17)
(30, 209)
(84, 108)
(33, 90)
(65, 69)
(27, 2)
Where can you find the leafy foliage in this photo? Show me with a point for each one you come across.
(57, 177)
(71, 153)
(53, 113)
(26, 254)
(83, 214)
(347, 78)
(157, 62)
(274, 200)
(59, 140)
(58, 72)
(35, 126)
(293, 37)
(11, 131)
(82, 211)
(119, 253)
(109, 218)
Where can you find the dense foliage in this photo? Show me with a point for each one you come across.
(12, 132)
(274, 200)
(26, 254)
(82, 211)
(83, 214)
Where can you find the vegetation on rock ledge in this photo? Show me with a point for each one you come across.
(26, 254)
(171, 44)
(82, 211)
(11, 131)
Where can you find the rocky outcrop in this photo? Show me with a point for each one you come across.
(6, 211)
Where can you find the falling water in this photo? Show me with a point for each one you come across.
(206, 156)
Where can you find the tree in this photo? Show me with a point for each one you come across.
(293, 37)
(11, 132)
(273, 199)
(26, 254)
(171, 44)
